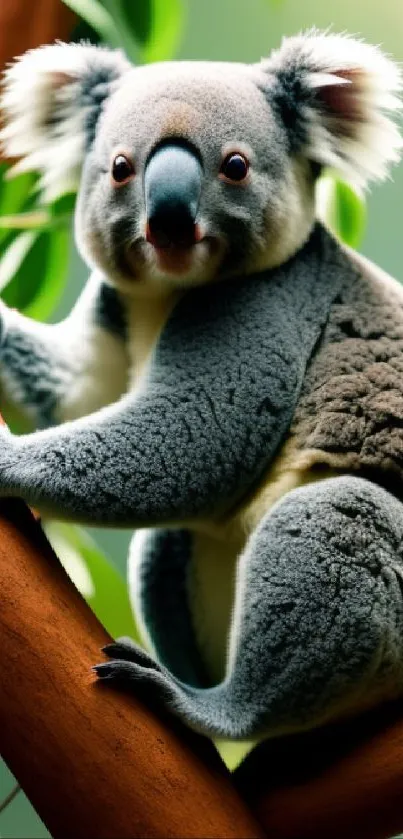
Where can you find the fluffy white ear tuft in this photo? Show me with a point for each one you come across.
(333, 93)
(52, 99)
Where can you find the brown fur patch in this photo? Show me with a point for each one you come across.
(349, 418)
(181, 120)
(350, 413)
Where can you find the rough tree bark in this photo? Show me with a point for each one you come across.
(93, 761)
(97, 763)
(24, 25)
(345, 780)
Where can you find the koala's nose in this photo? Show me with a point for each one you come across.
(172, 184)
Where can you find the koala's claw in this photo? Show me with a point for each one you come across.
(149, 682)
(125, 649)
(115, 670)
(120, 671)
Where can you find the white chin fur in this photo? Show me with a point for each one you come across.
(201, 269)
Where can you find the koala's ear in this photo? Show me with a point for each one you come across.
(51, 102)
(332, 93)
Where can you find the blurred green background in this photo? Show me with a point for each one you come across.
(232, 30)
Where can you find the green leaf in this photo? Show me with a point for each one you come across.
(41, 217)
(36, 219)
(157, 25)
(98, 17)
(128, 40)
(16, 194)
(342, 209)
(148, 30)
(15, 191)
(63, 205)
(54, 276)
(33, 271)
(95, 577)
(167, 24)
(15, 256)
(139, 17)
(33, 263)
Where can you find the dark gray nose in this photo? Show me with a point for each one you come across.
(172, 184)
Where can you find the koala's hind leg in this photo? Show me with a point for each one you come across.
(158, 584)
(158, 587)
(318, 622)
(318, 619)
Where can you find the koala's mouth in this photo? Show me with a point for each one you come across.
(173, 243)
(143, 258)
(175, 259)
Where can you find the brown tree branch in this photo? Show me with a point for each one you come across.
(25, 24)
(93, 761)
(345, 780)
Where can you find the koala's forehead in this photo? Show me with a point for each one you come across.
(208, 103)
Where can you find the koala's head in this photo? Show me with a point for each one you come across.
(193, 171)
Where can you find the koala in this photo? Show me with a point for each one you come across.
(230, 382)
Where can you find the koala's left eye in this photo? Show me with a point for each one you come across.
(122, 169)
(235, 167)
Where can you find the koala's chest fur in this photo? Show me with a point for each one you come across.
(216, 546)
(146, 317)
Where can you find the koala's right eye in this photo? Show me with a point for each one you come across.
(234, 168)
(122, 169)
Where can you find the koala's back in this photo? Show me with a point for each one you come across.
(349, 417)
(350, 413)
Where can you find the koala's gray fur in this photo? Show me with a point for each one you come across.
(220, 430)
(196, 387)
(318, 618)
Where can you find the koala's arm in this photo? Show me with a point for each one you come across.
(218, 398)
(58, 372)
